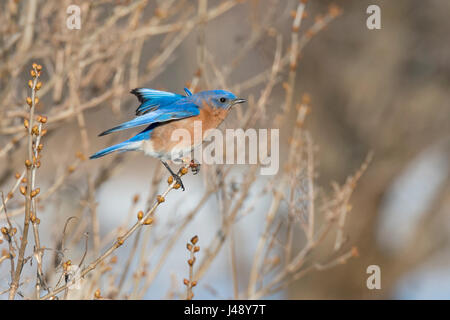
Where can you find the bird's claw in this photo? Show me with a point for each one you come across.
(177, 178)
(195, 167)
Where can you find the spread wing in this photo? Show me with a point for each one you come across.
(178, 110)
(151, 99)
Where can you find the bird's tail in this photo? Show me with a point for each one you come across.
(129, 145)
(123, 146)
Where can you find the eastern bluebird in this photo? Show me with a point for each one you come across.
(163, 112)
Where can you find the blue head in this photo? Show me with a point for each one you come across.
(220, 98)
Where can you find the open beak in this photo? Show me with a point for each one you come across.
(236, 101)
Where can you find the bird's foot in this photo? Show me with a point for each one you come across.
(195, 167)
(175, 176)
(179, 183)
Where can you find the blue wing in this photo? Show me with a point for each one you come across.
(180, 110)
(151, 99)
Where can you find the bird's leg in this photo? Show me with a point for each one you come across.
(174, 175)
(195, 167)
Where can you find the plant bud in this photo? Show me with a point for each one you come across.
(194, 239)
(148, 221)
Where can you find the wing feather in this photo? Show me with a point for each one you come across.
(162, 114)
(152, 99)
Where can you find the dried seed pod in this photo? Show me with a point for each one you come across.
(170, 180)
(26, 123)
(80, 155)
(23, 190)
(97, 294)
(30, 83)
(177, 186)
(140, 215)
(35, 192)
(334, 10)
(27, 163)
(35, 130)
(33, 73)
(186, 282)
(194, 240)
(43, 119)
(189, 246)
(38, 85)
(120, 241)
(29, 101)
(183, 171)
(196, 249)
(160, 199)
(148, 221)
(194, 283)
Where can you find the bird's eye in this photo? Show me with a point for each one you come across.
(223, 99)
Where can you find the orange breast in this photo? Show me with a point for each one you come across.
(210, 118)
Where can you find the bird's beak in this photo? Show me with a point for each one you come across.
(236, 101)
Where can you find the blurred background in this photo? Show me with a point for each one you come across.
(384, 91)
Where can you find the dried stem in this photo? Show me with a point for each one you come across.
(119, 242)
(28, 199)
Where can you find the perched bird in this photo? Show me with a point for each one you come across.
(162, 113)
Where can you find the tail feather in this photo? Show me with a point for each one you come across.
(123, 146)
(128, 145)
